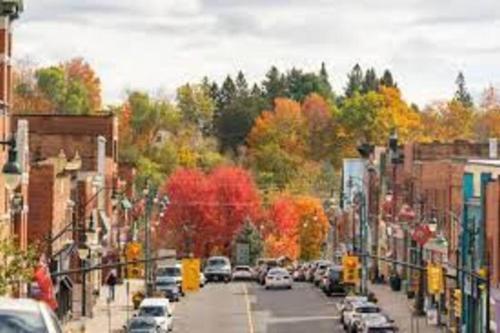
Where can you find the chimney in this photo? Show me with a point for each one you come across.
(493, 151)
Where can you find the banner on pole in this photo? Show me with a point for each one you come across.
(435, 281)
(190, 275)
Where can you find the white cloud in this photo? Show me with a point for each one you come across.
(155, 44)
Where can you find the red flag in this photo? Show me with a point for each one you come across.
(42, 278)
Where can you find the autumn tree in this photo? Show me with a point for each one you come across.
(448, 121)
(191, 215)
(196, 105)
(319, 118)
(278, 142)
(488, 117)
(72, 87)
(236, 199)
(313, 227)
(16, 265)
(283, 240)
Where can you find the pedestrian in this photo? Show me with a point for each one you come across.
(111, 280)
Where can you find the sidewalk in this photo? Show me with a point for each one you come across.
(398, 307)
(104, 315)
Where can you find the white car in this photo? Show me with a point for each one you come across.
(376, 323)
(357, 311)
(171, 273)
(347, 301)
(27, 315)
(278, 278)
(242, 273)
(160, 310)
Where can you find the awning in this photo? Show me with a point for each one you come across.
(126, 205)
(104, 220)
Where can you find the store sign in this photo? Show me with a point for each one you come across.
(422, 234)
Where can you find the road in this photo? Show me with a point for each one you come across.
(243, 307)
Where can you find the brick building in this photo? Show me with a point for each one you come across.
(493, 230)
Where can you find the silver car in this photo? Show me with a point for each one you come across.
(27, 316)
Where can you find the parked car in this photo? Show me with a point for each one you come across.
(142, 325)
(242, 273)
(160, 310)
(375, 323)
(356, 312)
(278, 278)
(271, 263)
(320, 271)
(333, 281)
(170, 273)
(169, 288)
(24, 315)
(218, 269)
(299, 274)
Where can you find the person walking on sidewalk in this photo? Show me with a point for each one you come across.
(111, 281)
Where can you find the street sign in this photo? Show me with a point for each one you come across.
(190, 274)
(435, 283)
(242, 253)
(350, 265)
(421, 234)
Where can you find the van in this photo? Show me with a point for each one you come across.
(160, 310)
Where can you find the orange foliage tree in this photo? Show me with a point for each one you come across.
(283, 241)
(313, 227)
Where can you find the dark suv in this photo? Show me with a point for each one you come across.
(334, 281)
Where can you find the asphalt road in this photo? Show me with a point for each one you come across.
(249, 308)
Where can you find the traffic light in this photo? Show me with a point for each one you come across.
(350, 266)
(133, 252)
(457, 298)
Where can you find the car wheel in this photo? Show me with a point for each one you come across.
(289, 287)
(267, 287)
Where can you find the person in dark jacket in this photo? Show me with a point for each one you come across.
(111, 281)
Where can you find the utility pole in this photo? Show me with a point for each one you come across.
(150, 194)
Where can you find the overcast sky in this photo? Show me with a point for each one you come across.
(160, 44)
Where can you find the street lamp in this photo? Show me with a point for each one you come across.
(84, 254)
(11, 170)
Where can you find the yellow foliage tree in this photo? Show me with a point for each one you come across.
(448, 121)
(394, 112)
(313, 227)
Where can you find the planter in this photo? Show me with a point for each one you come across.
(395, 283)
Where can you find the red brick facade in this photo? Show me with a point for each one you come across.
(493, 230)
(49, 195)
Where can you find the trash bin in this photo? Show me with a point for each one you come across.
(395, 283)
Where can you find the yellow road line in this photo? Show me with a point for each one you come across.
(249, 310)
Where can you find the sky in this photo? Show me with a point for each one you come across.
(157, 45)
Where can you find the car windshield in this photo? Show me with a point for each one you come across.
(367, 309)
(168, 271)
(142, 324)
(277, 272)
(21, 322)
(242, 269)
(336, 275)
(151, 311)
(165, 283)
(381, 330)
(217, 262)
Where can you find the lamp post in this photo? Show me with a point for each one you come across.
(84, 254)
(151, 195)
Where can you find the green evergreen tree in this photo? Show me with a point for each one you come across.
(354, 81)
(370, 82)
(387, 80)
(462, 95)
(274, 85)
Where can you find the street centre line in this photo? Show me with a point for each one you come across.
(249, 310)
